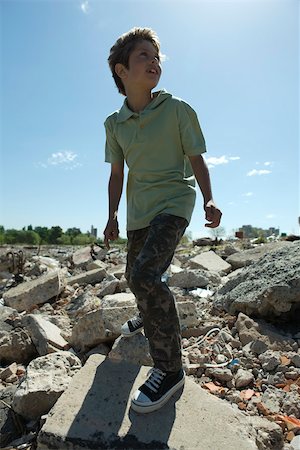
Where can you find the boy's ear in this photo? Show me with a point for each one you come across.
(120, 70)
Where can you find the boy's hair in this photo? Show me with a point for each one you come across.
(121, 50)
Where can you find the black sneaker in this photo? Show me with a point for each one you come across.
(157, 390)
(132, 326)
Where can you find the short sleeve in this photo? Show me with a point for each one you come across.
(192, 138)
(113, 151)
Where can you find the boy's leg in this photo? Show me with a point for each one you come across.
(135, 242)
(155, 301)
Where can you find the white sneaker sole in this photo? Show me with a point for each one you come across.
(144, 409)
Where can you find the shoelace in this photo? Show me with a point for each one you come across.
(155, 379)
(136, 321)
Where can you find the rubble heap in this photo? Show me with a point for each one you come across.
(239, 313)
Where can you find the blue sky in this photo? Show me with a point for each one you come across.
(235, 62)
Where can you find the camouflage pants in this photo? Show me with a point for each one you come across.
(150, 252)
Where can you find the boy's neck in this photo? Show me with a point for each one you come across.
(137, 101)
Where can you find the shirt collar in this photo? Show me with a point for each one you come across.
(125, 113)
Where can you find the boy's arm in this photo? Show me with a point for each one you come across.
(212, 213)
(115, 187)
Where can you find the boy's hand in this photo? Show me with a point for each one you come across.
(212, 214)
(111, 232)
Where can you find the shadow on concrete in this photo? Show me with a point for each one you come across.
(105, 421)
(152, 431)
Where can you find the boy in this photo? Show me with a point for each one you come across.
(159, 137)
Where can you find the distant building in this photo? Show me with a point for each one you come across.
(93, 231)
(252, 232)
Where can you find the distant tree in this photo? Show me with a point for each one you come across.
(2, 237)
(43, 232)
(73, 231)
(29, 228)
(11, 236)
(83, 239)
(54, 234)
(65, 239)
(30, 237)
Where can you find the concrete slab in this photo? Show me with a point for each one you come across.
(94, 413)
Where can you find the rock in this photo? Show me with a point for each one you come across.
(49, 264)
(97, 264)
(81, 305)
(272, 398)
(291, 404)
(219, 373)
(203, 242)
(9, 371)
(268, 288)
(296, 360)
(46, 378)
(243, 378)
(90, 277)
(210, 261)
(43, 333)
(118, 271)
(250, 330)
(7, 315)
(119, 300)
(134, 349)
(247, 257)
(268, 434)
(295, 443)
(108, 286)
(86, 255)
(16, 346)
(269, 360)
(175, 269)
(258, 346)
(102, 325)
(187, 314)
(35, 292)
(188, 279)
(8, 425)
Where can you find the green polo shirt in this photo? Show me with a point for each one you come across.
(155, 144)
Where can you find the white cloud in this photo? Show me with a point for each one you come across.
(61, 158)
(258, 172)
(248, 194)
(213, 161)
(85, 7)
(270, 216)
(64, 159)
(267, 163)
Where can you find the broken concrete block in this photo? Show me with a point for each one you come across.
(134, 349)
(120, 300)
(210, 261)
(46, 378)
(43, 333)
(187, 314)
(34, 292)
(102, 325)
(188, 279)
(16, 345)
(90, 277)
(95, 413)
(86, 255)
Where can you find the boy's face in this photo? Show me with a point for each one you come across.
(144, 67)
